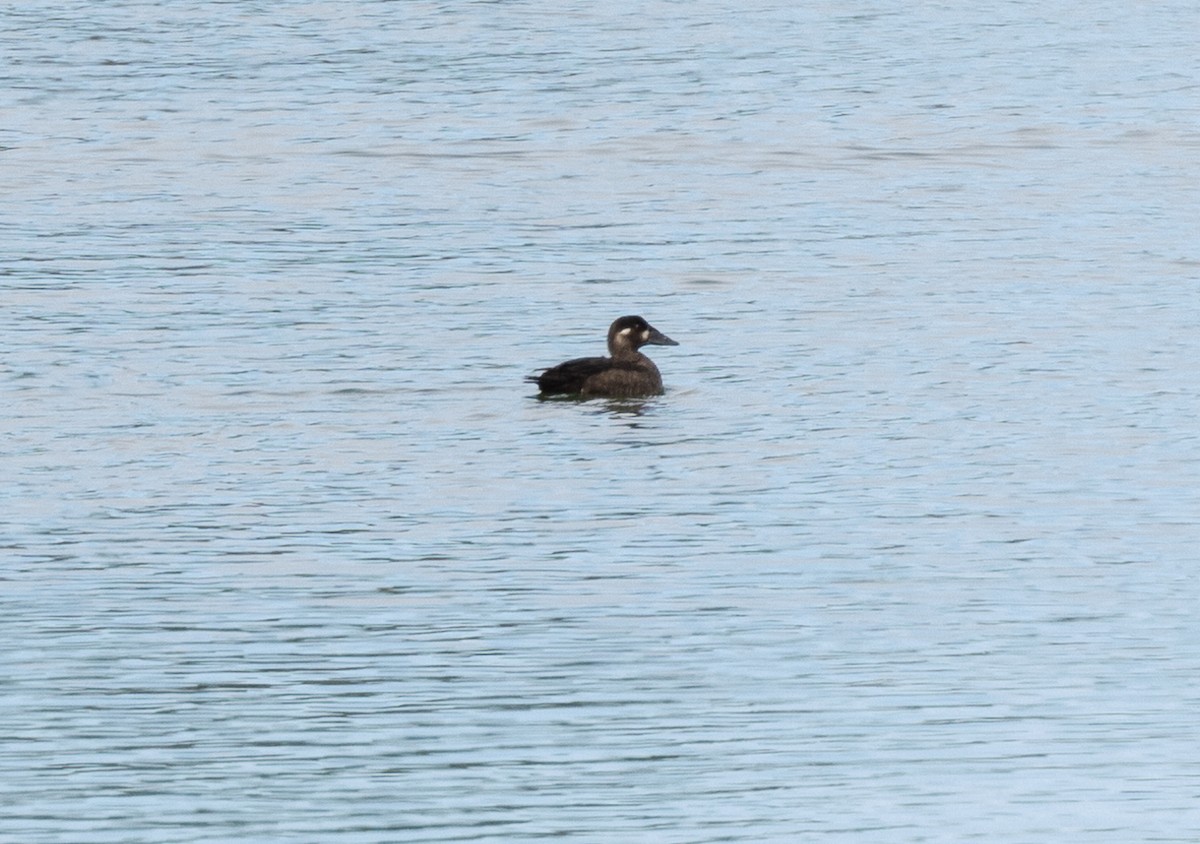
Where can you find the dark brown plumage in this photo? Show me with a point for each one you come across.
(627, 374)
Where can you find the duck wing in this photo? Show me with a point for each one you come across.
(570, 376)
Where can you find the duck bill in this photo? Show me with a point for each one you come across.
(657, 338)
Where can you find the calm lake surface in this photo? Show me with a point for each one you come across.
(906, 553)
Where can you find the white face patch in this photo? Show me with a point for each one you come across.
(624, 332)
(646, 335)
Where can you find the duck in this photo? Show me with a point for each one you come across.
(626, 374)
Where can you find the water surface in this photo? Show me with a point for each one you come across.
(905, 553)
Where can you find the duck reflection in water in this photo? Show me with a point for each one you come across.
(627, 374)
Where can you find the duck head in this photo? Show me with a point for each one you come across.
(630, 333)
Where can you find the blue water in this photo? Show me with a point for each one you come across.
(290, 552)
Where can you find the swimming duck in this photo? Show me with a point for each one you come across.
(627, 374)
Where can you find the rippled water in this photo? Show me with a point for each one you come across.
(906, 552)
